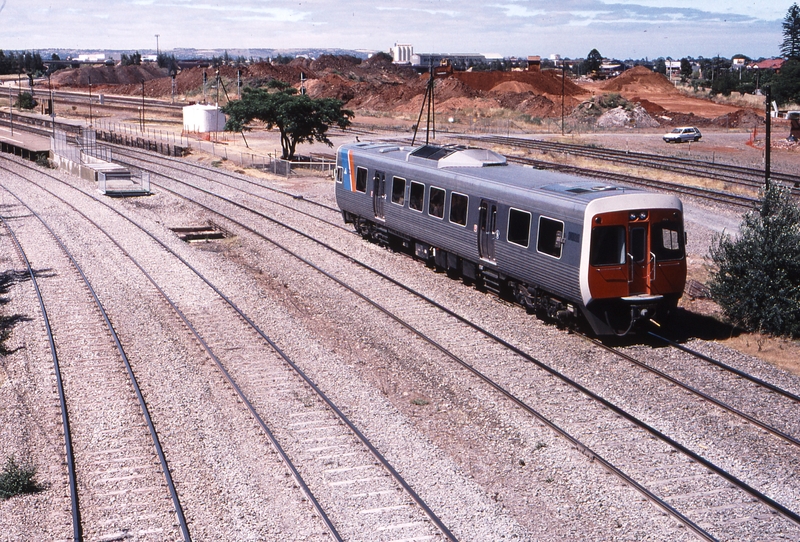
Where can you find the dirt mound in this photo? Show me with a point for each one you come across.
(513, 86)
(640, 79)
(107, 75)
(335, 63)
(743, 118)
(650, 107)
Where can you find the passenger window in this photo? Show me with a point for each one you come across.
(361, 179)
(398, 191)
(417, 196)
(458, 208)
(436, 203)
(551, 237)
(667, 241)
(519, 227)
(608, 246)
(339, 174)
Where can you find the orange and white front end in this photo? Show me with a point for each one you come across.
(633, 267)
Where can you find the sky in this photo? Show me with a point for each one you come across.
(620, 29)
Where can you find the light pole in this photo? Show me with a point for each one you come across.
(90, 103)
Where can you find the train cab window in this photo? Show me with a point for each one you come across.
(458, 208)
(608, 246)
(436, 202)
(398, 191)
(667, 241)
(519, 227)
(361, 179)
(416, 196)
(551, 237)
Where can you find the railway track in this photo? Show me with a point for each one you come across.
(116, 465)
(356, 482)
(712, 483)
(751, 178)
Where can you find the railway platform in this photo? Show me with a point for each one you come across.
(25, 145)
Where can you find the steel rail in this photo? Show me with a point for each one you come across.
(145, 412)
(270, 435)
(384, 462)
(585, 450)
(729, 172)
(789, 514)
(721, 365)
(724, 197)
(77, 529)
(721, 404)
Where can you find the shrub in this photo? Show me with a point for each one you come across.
(17, 479)
(757, 281)
(26, 101)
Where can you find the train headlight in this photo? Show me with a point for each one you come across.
(632, 216)
(643, 215)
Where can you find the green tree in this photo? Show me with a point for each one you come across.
(757, 281)
(25, 100)
(790, 48)
(593, 63)
(686, 69)
(786, 85)
(299, 118)
(134, 60)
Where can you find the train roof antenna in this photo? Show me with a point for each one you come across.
(428, 98)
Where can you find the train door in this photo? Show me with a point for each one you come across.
(487, 230)
(379, 194)
(641, 259)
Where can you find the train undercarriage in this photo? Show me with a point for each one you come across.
(533, 299)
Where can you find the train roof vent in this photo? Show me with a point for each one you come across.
(581, 187)
(432, 152)
(473, 158)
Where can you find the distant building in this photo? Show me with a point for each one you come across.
(460, 60)
(770, 64)
(97, 57)
(673, 69)
(534, 63)
(401, 53)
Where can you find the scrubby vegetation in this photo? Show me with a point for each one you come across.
(757, 277)
(17, 479)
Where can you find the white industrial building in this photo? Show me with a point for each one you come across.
(401, 53)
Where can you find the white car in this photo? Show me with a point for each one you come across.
(684, 133)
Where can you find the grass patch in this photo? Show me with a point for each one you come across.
(17, 479)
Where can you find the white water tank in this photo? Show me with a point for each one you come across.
(203, 118)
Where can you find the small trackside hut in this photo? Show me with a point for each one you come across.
(561, 245)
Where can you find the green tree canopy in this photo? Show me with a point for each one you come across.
(299, 118)
(593, 62)
(757, 281)
(790, 48)
(686, 69)
(786, 85)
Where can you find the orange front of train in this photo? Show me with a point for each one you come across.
(633, 270)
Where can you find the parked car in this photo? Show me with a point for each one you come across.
(684, 133)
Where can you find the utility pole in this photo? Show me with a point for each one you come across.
(157, 49)
(142, 105)
(563, 84)
(768, 143)
(90, 102)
